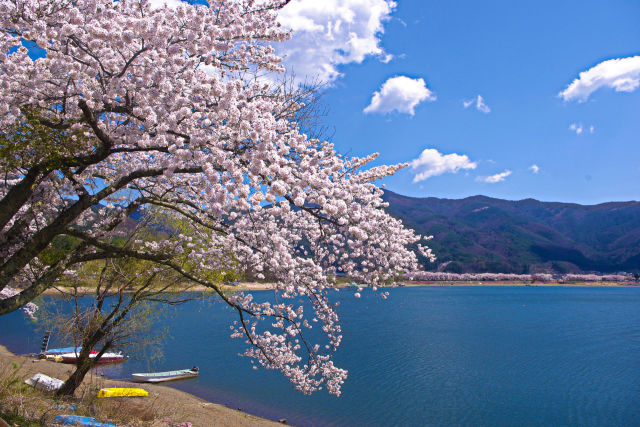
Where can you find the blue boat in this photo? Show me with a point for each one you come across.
(75, 420)
(63, 350)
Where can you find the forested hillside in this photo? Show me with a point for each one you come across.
(480, 233)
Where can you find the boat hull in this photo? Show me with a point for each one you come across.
(159, 377)
(122, 392)
(75, 420)
(106, 358)
(54, 357)
(63, 350)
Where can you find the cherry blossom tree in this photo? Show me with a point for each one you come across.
(122, 311)
(436, 276)
(128, 107)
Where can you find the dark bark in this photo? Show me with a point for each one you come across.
(45, 281)
(17, 196)
(83, 366)
(72, 383)
(40, 240)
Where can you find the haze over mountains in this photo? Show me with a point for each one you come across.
(480, 234)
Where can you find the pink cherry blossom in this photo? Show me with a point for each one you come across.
(433, 276)
(165, 108)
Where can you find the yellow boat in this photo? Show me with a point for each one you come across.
(122, 392)
(53, 357)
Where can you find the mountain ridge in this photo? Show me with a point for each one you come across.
(481, 233)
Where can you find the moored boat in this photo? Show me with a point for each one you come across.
(158, 377)
(105, 358)
(53, 357)
(63, 350)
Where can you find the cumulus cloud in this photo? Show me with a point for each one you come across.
(400, 93)
(492, 179)
(328, 33)
(579, 129)
(479, 102)
(534, 168)
(432, 163)
(621, 74)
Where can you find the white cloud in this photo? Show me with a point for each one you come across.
(534, 168)
(579, 129)
(432, 163)
(328, 33)
(621, 74)
(400, 93)
(499, 177)
(480, 104)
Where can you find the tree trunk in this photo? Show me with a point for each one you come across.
(72, 383)
(83, 366)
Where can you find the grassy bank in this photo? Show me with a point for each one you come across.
(23, 405)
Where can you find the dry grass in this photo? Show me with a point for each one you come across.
(23, 405)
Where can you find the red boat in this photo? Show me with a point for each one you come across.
(105, 358)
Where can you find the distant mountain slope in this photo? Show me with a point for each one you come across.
(480, 234)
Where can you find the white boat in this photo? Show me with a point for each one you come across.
(105, 358)
(158, 377)
(44, 382)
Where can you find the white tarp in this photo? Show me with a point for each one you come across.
(43, 382)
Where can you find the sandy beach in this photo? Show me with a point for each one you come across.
(163, 404)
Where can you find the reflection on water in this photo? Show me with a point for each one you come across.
(427, 356)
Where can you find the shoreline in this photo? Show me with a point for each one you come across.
(180, 406)
(165, 401)
(524, 284)
(266, 286)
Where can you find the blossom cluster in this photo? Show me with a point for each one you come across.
(133, 107)
(430, 276)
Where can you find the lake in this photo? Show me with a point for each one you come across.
(426, 356)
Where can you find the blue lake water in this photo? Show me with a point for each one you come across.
(495, 356)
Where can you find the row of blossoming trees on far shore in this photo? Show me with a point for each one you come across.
(431, 276)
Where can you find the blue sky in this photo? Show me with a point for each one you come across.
(517, 56)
